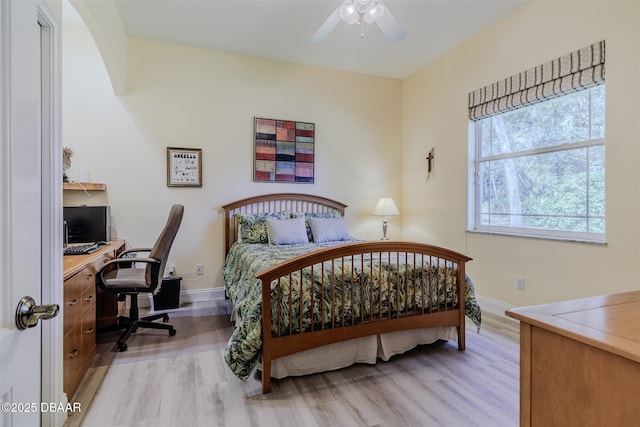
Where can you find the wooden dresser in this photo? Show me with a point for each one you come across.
(79, 311)
(580, 362)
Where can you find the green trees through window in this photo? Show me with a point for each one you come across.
(541, 169)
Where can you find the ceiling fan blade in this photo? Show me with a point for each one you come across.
(327, 26)
(390, 26)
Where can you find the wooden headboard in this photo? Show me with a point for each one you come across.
(276, 202)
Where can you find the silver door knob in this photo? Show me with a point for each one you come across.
(28, 313)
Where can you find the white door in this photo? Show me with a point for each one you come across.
(26, 127)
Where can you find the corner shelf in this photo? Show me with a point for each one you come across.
(84, 186)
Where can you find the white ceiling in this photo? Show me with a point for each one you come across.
(281, 30)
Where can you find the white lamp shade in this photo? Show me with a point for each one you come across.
(386, 207)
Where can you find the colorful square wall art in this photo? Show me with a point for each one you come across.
(284, 151)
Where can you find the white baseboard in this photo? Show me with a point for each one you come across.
(494, 307)
(188, 296)
(202, 295)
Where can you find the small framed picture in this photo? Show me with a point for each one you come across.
(184, 167)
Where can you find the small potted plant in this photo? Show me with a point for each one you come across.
(67, 153)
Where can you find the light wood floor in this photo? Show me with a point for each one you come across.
(183, 381)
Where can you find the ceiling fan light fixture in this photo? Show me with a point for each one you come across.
(374, 14)
(361, 12)
(349, 14)
(364, 5)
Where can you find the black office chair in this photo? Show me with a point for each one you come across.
(120, 276)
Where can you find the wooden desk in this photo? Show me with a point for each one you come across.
(81, 302)
(580, 362)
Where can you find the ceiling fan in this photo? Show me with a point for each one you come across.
(359, 12)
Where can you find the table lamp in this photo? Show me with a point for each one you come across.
(386, 209)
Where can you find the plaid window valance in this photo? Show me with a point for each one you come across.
(578, 70)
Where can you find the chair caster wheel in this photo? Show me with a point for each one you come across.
(122, 346)
(165, 318)
(172, 332)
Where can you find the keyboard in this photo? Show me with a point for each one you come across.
(81, 249)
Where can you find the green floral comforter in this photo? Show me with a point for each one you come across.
(245, 291)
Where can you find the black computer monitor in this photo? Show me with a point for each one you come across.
(88, 223)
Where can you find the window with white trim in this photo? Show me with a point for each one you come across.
(539, 168)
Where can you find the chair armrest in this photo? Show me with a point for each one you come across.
(127, 261)
(128, 251)
(125, 255)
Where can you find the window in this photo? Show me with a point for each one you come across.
(537, 150)
(540, 169)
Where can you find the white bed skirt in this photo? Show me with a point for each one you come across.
(360, 350)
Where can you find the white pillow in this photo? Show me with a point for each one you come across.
(287, 231)
(328, 229)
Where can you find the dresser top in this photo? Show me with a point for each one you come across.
(608, 322)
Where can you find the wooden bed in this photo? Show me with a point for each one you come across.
(386, 286)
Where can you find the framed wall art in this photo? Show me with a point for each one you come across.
(284, 151)
(184, 167)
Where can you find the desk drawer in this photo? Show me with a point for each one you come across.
(87, 279)
(88, 297)
(72, 361)
(88, 333)
(72, 303)
(104, 258)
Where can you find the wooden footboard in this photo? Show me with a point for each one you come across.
(359, 289)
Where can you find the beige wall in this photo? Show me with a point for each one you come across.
(371, 142)
(434, 114)
(196, 98)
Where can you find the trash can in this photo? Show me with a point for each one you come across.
(169, 294)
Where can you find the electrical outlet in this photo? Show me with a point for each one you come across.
(520, 283)
(199, 269)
